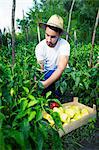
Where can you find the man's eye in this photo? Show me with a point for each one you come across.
(53, 37)
(46, 34)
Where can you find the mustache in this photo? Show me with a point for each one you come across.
(51, 44)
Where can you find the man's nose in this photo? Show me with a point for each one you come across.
(49, 38)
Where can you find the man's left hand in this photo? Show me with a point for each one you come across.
(41, 84)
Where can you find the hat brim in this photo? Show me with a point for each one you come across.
(43, 26)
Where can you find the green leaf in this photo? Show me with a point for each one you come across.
(32, 115)
(2, 117)
(40, 141)
(15, 123)
(18, 137)
(48, 94)
(1, 107)
(0, 94)
(77, 81)
(2, 144)
(40, 85)
(43, 128)
(21, 114)
(63, 87)
(26, 83)
(24, 104)
(8, 147)
(28, 111)
(73, 75)
(31, 97)
(26, 90)
(32, 103)
(39, 115)
(12, 92)
(38, 138)
(22, 99)
(57, 120)
(86, 84)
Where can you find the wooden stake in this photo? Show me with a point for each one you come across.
(13, 32)
(38, 31)
(93, 39)
(69, 19)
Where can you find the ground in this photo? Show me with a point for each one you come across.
(93, 144)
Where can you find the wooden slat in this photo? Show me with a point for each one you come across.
(78, 123)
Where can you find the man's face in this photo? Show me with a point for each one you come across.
(51, 37)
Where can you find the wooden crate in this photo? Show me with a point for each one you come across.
(78, 123)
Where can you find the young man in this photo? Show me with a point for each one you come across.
(53, 52)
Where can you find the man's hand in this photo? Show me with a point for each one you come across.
(44, 84)
(41, 85)
(57, 73)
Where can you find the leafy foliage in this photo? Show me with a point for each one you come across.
(22, 125)
(21, 104)
(80, 80)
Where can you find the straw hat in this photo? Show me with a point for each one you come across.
(55, 21)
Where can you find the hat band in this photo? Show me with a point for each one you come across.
(57, 26)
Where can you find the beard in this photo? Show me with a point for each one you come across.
(50, 44)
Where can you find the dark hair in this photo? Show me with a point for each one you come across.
(55, 29)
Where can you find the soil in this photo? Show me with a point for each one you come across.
(93, 144)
